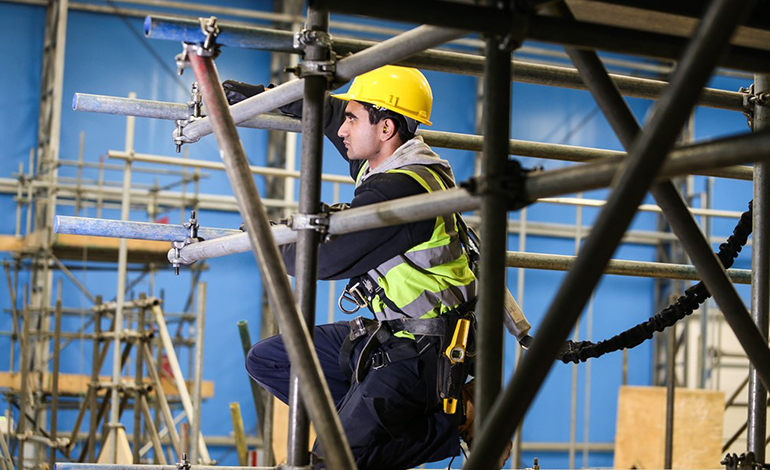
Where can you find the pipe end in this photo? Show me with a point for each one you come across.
(147, 25)
(75, 101)
(56, 224)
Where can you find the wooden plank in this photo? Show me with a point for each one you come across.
(77, 384)
(68, 246)
(640, 439)
(281, 431)
(10, 243)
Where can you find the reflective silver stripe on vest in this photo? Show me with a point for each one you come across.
(428, 258)
(427, 301)
(425, 259)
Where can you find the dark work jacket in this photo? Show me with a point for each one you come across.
(354, 254)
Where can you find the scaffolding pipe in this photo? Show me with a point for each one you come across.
(200, 323)
(380, 54)
(633, 181)
(134, 230)
(760, 266)
(127, 107)
(169, 111)
(257, 170)
(306, 253)
(517, 259)
(181, 386)
(493, 229)
(452, 62)
(295, 332)
(544, 184)
(125, 210)
(681, 220)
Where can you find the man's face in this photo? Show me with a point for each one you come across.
(361, 139)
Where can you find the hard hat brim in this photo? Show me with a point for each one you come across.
(350, 97)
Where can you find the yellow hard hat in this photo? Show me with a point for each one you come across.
(403, 90)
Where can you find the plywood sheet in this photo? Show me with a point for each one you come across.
(641, 428)
(281, 431)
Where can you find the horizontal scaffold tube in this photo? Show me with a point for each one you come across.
(178, 29)
(742, 149)
(517, 259)
(170, 111)
(134, 230)
(130, 107)
(346, 69)
(186, 162)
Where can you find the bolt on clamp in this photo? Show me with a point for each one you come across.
(309, 37)
(184, 464)
(751, 99)
(175, 254)
(317, 222)
(195, 106)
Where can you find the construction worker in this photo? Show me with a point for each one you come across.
(385, 375)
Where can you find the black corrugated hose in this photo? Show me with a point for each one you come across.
(581, 351)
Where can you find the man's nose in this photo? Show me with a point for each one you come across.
(342, 131)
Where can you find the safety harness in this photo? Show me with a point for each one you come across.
(581, 351)
(453, 331)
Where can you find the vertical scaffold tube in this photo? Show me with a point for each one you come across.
(308, 239)
(295, 332)
(636, 176)
(760, 267)
(677, 214)
(494, 232)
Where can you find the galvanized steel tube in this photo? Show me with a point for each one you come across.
(200, 330)
(380, 54)
(159, 109)
(453, 62)
(297, 340)
(543, 184)
(760, 266)
(493, 229)
(517, 259)
(306, 253)
(632, 183)
(134, 230)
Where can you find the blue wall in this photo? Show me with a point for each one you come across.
(108, 55)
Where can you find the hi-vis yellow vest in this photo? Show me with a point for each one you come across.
(432, 277)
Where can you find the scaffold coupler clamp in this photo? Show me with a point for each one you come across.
(175, 254)
(509, 184)
(184, 464)
(306, 39)
(318, 222)
(752, 99)
(745, 461)
(195, 106)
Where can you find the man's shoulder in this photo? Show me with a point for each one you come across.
(392, 185)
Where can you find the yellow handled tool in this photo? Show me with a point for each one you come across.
(456, 354)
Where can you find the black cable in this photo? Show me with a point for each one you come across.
(581, 351)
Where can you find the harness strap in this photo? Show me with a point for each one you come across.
(379, 333)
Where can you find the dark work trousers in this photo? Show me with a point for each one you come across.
(385, 417)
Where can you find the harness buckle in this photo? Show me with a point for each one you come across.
(379, 360)
(357, 328)
(354, 295)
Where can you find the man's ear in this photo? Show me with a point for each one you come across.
(387, 129)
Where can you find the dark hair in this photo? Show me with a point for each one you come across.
(377, 114)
